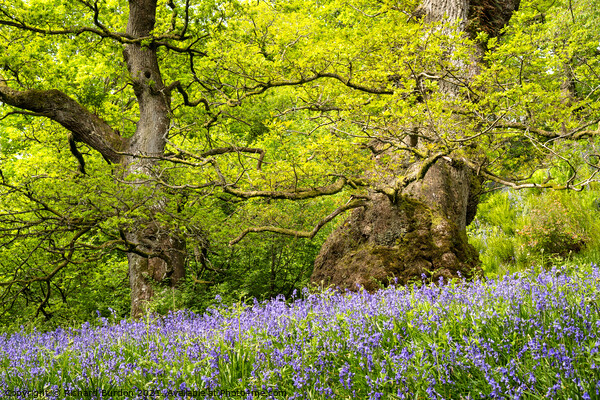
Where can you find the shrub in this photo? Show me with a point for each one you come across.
(553, 229)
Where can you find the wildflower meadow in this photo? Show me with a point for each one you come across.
(524, 336)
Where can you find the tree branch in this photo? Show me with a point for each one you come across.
(574, 135)
(262, 87)
(66, 260)
(302, 234)
(177, 85)
(518, 184)
(202, 157)
(299, 194)
(236, 149)
(54, 104)
(104, 32)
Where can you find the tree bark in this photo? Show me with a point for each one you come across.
(149, 140)
(146, 272)
(420, 231)
(419, 235)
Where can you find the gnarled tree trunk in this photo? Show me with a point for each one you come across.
(419, 231)
(146, 272)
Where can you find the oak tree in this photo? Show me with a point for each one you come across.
(173, 120)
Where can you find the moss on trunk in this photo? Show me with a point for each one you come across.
(403, 241)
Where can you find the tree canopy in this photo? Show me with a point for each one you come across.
(167, 130)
